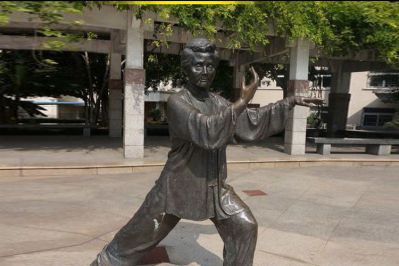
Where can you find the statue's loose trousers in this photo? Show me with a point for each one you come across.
(150, 225)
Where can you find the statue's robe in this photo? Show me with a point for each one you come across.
(192, 183)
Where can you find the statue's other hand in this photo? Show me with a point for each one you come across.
(248, 91)
(307, 101)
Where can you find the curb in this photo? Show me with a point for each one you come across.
(31, 171)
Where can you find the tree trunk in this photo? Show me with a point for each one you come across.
(16, 105)
(101, 94)
(2, 110)
(90, 88)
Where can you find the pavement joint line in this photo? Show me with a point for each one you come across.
(92, 238)
(364, 193)
(51, 230)
(50, 249)
(79, 204)
(275, 221)
(332, 233)
(287, 257)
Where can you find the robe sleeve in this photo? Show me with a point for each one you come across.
(259, 123)
(207, 131)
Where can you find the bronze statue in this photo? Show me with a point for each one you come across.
(192, 184)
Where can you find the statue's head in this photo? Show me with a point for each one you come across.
(199, 61)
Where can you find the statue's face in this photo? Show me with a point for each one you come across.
(202, 70)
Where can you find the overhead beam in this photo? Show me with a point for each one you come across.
(179, 35)
(176, 48)
(354, 66)
(106, 17)
(37, 43)
(275, 52)
(11, 42)
(31, 26)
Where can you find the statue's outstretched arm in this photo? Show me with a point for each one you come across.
(259, 123)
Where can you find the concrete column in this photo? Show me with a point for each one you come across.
(338, 101)
(134, 78)
(295, 132)
(115, 96)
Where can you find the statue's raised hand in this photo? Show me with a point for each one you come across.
(247, 92)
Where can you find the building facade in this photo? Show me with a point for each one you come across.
(369, 107)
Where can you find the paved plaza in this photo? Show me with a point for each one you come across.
(25, 151)
(307, 216)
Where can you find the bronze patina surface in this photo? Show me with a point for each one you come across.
(193, 183)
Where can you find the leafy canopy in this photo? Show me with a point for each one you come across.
(338, 27)
(50, 13)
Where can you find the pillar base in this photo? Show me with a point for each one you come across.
(324, 149)
(378, 149)
(133, 152)
(294, 149)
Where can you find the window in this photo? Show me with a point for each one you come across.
(382, 119)
(383, 80)
(326, 81)
(376, 117)
(370, 120)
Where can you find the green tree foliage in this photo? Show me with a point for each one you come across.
(50, 13)
(339, 27)
(162, 68)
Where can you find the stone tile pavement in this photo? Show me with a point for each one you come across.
(329, 215)
(101, 150)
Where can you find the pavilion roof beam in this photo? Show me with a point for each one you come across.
(355, 66)
(36, 43)
(36, 25)
(276, 52)
(95, 46)
(362, 61)
(106, 17)
(175, 48)
(180, 35)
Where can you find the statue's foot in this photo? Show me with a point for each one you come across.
(94, 263)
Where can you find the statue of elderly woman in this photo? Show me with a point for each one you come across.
(192, 184)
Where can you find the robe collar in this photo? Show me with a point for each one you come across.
(199, 94)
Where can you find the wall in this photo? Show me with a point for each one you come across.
(362, 96)
(267, 94)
